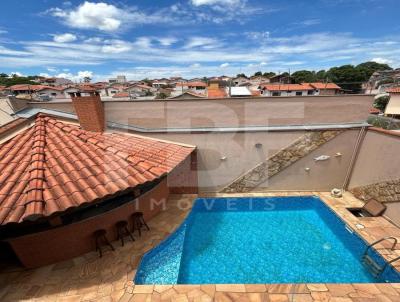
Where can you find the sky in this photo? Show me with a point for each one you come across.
(193, 38)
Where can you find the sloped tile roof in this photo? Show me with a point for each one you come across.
(287, 87)
(323, 85)
(54, 166)
(393, 90)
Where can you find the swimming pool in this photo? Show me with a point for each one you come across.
(260, 240)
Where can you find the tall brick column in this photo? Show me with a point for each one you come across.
(90, 112)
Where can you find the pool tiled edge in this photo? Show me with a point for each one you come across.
(89, 278)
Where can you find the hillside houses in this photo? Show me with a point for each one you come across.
(175, 87)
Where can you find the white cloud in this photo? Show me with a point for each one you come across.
(203, 42)
(214, 2)
(17, 73)
(2, 31)
(51, 69)
(167, 41)
(108, 17)
(91, 15)
(78, 77)
(116, 46)
(382, 60)
(12, 52)
(223, 65)
(64, 38)
(311, 51)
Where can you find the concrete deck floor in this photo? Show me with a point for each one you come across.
(90, 278)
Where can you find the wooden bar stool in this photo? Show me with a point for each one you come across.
(122, 231)
(138, 222)
(101, 239)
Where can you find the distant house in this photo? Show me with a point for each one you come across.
(48, 93)
(188, 95)
(238, 81)
(121, 95)
(281, 78)
(21, 89)
(258, 80)
(304, 89)
(393, 106)
(198, 86)
(121, 79)
(286, 90)
(53, 81)
(160, 83)
(325, 88)
(138, 90)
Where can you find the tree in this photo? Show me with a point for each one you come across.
(161, 96)
(241, 75)
(368, 68)
(348, 77)
(321, 76)
(381, 102)
(3, 75)
(258, 73)
(304, 76)
(269, 74)
(87, 79)
(6, 81)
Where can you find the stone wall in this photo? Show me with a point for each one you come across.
(281, 160)
(385, 191)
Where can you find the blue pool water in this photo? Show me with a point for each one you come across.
(260, 240)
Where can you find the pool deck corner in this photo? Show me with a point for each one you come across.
(89, 278)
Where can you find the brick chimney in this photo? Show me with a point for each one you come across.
(90, 111)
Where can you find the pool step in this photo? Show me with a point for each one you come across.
(374, 268)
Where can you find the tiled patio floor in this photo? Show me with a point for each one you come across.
(89, 278)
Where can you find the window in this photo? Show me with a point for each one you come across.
(299, 93)
(276, 94)
(310, 92)
(54, 94)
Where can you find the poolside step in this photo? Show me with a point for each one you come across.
(374, 268)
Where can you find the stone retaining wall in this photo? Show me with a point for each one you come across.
(385, 191)
(281, 160)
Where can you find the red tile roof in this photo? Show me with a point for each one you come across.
(54, 166)
(192, 84)
(374, 110)
(287, 87)
(393, 90)
(121, 95)
(216, 93)
(323, 85)
(23, 87)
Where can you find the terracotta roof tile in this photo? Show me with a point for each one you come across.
(287, 87)
(393, 90)
(53, 166)
(320, 85)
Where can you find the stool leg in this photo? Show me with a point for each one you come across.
(108, 243)
(138, 225)
(98, 247)
(145, 224)
(121, 236)
(129, 233)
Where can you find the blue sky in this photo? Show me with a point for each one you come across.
(192, 38)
